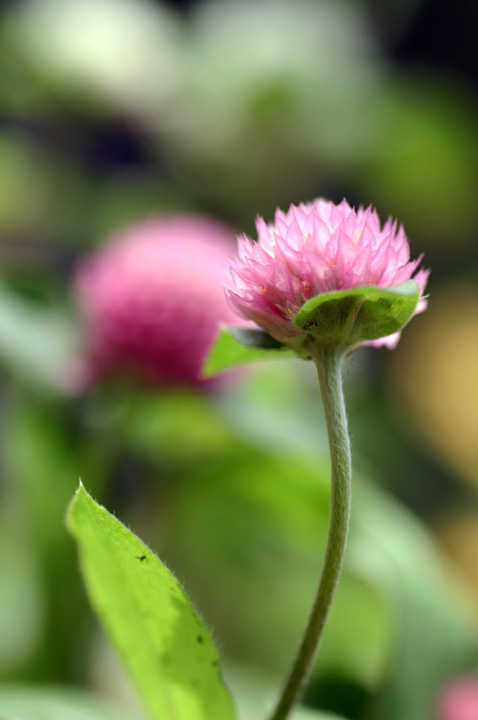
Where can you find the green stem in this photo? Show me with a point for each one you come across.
(329, 369)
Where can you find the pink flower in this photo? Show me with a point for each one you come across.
(152, 299)
(312, 249)
(458, 700)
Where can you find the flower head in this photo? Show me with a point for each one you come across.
(313, 249)
(152, 299)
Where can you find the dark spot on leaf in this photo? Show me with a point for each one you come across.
(200, 639)
(141, 557)
(215, 663)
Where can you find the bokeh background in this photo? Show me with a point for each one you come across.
(113, 111)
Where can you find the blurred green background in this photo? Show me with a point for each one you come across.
(113, 110)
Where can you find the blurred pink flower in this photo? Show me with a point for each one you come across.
(312, 249)
(152, 299)
(458, 700)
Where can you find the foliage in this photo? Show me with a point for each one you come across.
(160, 637)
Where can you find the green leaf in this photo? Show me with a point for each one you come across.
(349, 317)
(27, 703)
(160, 637)
(239, 346)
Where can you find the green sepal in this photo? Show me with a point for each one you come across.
(240, 346)
(346, 318)
(160, 637)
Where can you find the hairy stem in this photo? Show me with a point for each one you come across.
(329, 369)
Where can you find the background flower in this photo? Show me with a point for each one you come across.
(152, 299)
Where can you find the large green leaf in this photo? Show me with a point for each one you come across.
(239, 346)
(160, 637)
(28, 703)
(349, 317)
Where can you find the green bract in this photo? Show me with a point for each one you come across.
(343, 318)
(349, 317)
(160, 637)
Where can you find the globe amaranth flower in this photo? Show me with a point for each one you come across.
(312, 249)
(151, 300)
